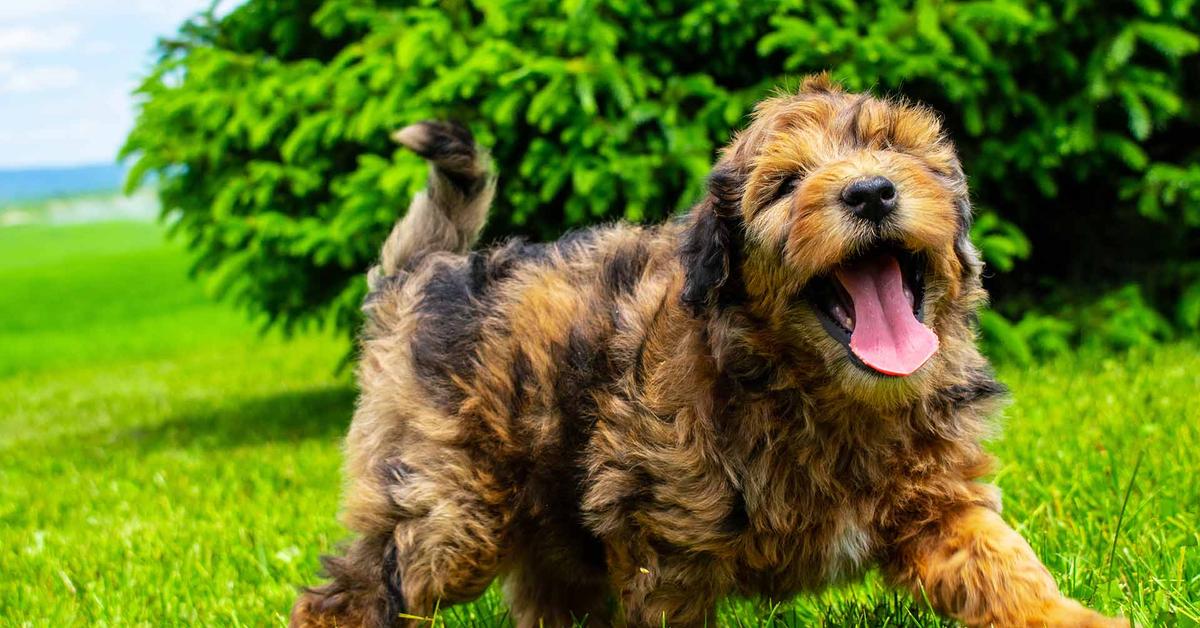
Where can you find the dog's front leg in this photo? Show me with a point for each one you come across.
(973, 567)
(667, 590)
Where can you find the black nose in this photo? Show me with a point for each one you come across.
(870, 199)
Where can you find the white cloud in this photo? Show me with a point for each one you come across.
(98, 47)
(22, 39)
(65, 73)
(36, 79)
(23, 9)
(168, 10)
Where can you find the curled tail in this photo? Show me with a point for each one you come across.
(450, 212)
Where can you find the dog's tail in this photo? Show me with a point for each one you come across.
(450, 212)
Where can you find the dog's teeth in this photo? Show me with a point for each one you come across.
(840, 315)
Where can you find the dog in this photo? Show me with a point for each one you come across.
(773, 393)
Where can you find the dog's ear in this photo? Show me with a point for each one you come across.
(711, 247)
(967, 254)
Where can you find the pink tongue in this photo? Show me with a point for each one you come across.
(886, 337)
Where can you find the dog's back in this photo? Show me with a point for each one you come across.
(482, 375)
(514, 320)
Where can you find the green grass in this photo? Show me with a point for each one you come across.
(163, 464)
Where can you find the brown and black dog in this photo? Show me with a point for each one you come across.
(774, 393)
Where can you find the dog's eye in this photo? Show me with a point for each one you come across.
(787, 187)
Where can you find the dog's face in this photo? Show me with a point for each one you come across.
(854, 216)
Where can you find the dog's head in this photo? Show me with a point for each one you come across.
(841, 220)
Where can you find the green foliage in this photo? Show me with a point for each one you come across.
(1000, 242)
(1189, 307)
(1118, 320)
(267, 128)
(1169, 186)
(1033, 336)
(1122, 319)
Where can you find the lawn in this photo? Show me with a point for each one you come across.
(162, 463)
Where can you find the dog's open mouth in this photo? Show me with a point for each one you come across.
(873, 305)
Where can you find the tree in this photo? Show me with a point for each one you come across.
(267, 129)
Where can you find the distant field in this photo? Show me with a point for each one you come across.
(37, 183)
(163, 464)
(89, 207)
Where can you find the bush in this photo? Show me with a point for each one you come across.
(267, 128)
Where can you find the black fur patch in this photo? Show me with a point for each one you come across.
(705, 254)
(444, 140)
(738, 518)
(522, 375)
(575, 241)
(711, 252)
(452, 312)
(962, 242)
(556, 480)
(624, 269)
(451, 146)
(479, 275)
(711, 255)
(393, 581)
(394, 471)
(585, 370)
(981, 387)
(640, 497)
(456, 300)
(506, 258)
(583, 367)
(750, 371)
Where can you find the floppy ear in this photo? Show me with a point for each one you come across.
(967, 254)
(711, 248)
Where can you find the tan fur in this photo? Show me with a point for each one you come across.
(633, 423)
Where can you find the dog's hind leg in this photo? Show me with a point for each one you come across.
(540, 593)
(668, 589)
(357, 594)
(438, 544)
(447, 557)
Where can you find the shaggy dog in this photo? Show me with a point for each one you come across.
(772, 394)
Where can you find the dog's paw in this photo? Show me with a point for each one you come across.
(316, 608)
(1071, 614)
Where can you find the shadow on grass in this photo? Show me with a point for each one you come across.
(319, 413)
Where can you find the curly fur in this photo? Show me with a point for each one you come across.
(633, 422)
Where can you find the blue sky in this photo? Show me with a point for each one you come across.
(66, 71)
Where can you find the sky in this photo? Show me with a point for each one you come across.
(67, 68)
